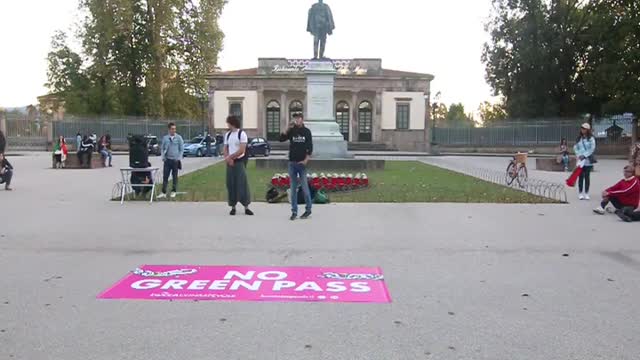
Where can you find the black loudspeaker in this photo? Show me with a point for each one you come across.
(138, 152)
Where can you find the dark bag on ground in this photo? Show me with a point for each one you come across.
(274, 196)
(301, 195)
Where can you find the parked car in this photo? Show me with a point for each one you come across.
(153, 145)
(259, 146)
(197, 146)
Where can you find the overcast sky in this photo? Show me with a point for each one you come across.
(443, 38)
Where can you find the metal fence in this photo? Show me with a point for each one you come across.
(121, 127)
(25, 133)
(518, 134)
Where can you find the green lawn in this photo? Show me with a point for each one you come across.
(401, 181)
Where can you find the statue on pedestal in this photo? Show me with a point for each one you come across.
(320, 24)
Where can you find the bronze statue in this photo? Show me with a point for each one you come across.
(320, 24)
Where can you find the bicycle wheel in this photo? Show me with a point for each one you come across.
(512, 173)
(523, 176)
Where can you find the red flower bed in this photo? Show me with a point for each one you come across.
(327, 182)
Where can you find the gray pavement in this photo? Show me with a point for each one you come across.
(457, 274)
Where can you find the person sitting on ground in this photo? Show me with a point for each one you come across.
(626, 193)
(6, 172)
(104, 146)
(60, 153)
(629, 214)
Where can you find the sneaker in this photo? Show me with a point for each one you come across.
(293, 217)
(162, 196)
(305, 215)
(610, 210)
(173, 194)
(8, 188)
(587, 197)
(248, 212)
(599, 210)
(581, 196)
(232, 212)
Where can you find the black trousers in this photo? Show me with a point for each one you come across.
(81, 155)
(613, 201)
(170, 168)
(584, 183)
(6, 178)
(238, 185)
(634, 215)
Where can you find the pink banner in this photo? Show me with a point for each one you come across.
(248, 283)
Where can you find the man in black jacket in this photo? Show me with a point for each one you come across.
(6, 172)
(300, 150)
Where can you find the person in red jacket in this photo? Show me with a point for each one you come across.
(624, 194)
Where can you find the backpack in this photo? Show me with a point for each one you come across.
(244, 157)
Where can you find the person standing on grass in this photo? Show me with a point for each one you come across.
(235, 155)
(584, 149)
(300, 150)
(172, 152)
(6, 172)
(625, 193)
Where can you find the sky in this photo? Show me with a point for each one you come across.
(442, 38)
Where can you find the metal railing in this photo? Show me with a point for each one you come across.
(514, 134)
(121, 127)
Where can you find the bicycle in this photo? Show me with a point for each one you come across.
(517, 170)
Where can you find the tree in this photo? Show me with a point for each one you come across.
(65, 75)
(564, 57)
(491, 113)
(456, 116)
(148, 57)
(439, 114)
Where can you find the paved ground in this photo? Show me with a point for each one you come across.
(457, 274)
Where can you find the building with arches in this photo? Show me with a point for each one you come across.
(374, 107)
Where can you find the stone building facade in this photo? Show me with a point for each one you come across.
(372, 105)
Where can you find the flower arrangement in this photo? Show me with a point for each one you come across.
(328, 182)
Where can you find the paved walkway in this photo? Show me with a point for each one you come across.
(457, 274)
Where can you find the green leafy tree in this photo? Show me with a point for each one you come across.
(65, 75)
(491, 113)
(456, 117)
(149, 57)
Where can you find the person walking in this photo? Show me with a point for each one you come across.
(172, 152)
(6, 172)
(300, 151)
(235, 155)
(584, 149)
(207, 142)
(219, 145)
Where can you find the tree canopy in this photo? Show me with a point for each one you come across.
(139, 57)
(564, 57)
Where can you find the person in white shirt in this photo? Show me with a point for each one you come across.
(235, 155)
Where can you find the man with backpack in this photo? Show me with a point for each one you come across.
(300, 150)
(235, 155)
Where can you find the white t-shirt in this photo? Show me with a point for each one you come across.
(231, 140)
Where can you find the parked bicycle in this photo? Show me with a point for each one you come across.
(517, 170)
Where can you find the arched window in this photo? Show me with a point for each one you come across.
(365, 121)
(273, 120)
(342, 118)
(295, 108)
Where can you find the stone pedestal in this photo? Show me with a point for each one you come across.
(328, 142)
